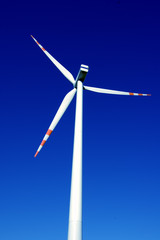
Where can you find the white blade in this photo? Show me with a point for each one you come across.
(108, 91)
(63, 70)
(64, 105)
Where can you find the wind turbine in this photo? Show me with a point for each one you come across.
(75, 213)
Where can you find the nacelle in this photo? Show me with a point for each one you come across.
(82, 73)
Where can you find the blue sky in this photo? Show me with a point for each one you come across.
(120, 41)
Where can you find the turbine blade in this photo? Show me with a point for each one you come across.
(64, 105)
(108, 91)
(62, 69)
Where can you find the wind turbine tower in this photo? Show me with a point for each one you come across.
(75, 212)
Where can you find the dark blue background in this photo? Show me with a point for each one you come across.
(120, 41)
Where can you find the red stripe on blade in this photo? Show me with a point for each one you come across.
(131, 93)
(140, 94)
(43, 142)
(49, 132)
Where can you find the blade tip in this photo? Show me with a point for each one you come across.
(36, 154)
